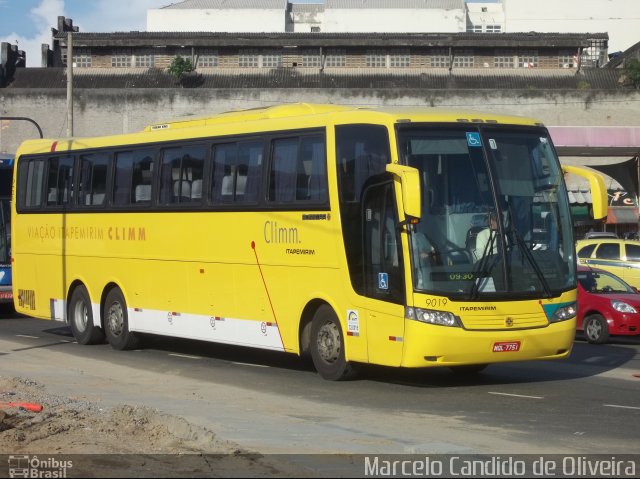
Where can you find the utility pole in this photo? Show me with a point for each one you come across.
(69, 85)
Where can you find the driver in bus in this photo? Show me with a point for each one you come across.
(486, 236)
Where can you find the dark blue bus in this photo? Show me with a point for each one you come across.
(6, 176)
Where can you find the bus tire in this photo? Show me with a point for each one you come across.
(116, 322)
(327, 346)
(81, 318)
(596, 329)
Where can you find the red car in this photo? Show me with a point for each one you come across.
(606, 305)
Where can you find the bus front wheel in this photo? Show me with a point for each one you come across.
(81, 318)
(116, 322)
(327, 346)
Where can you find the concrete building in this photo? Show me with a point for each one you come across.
(619, 18)
(325, 52)
(219, 16)
(339, 16)
(435, 16)
(485, 17)
(305, 17)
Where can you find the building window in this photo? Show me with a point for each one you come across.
(474, 29)
(400, 60)
(253, 59)
(147, 61)
(463, 59)
(315, 29)
(503, 60)
(528, 59)
(208, 59)
(493, 28)
(249, 60)
(311, 59)
(335, 58)
(272, 60)
(567, 59)
(440, 59)
(121, 60)
(595, 54)
(82, 59)
(376, 60)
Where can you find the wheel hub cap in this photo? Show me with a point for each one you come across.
(329, 342)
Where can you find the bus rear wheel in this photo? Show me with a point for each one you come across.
(81, 318)
(116, 322)
(327, 346)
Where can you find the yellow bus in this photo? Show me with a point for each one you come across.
(345, 233)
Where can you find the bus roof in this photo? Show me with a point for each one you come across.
(306, 115)
(291, 110)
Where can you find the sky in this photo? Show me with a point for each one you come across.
(28, 22)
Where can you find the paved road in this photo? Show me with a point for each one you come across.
(276, 403)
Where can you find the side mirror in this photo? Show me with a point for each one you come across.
(410, 183)
(598, 189)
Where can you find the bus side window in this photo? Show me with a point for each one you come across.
(60, 181)
(282, 177)
(237, 172)
(298, 170)
(122, 179)
(181, 174)
(31, 175)
(93, 179)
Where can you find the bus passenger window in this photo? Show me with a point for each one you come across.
(93, 179)
(298, 170)
(237, 172)
(60, 181)
(181, 174)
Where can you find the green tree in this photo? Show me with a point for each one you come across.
(632, 72)
(180, 67)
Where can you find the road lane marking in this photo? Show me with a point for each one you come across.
(620, 406)
(63, 341)
(516, 395)
(252, 365)
(27, 336)
(184, 356)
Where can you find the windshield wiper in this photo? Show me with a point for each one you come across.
(481, 270)
(527, 253)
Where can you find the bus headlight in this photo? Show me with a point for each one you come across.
(564, 313)
(623, 307)
(441, 318)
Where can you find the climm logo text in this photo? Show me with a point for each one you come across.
(274, 234)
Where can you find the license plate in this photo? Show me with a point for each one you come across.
(506, 346)
(6, 295)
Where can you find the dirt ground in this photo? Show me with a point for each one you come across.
(124, 441)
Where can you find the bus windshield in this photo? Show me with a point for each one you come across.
(495, 216)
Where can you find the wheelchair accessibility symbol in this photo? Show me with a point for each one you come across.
(473, 139)
(383, 281)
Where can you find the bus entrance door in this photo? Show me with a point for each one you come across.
(383, 275)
